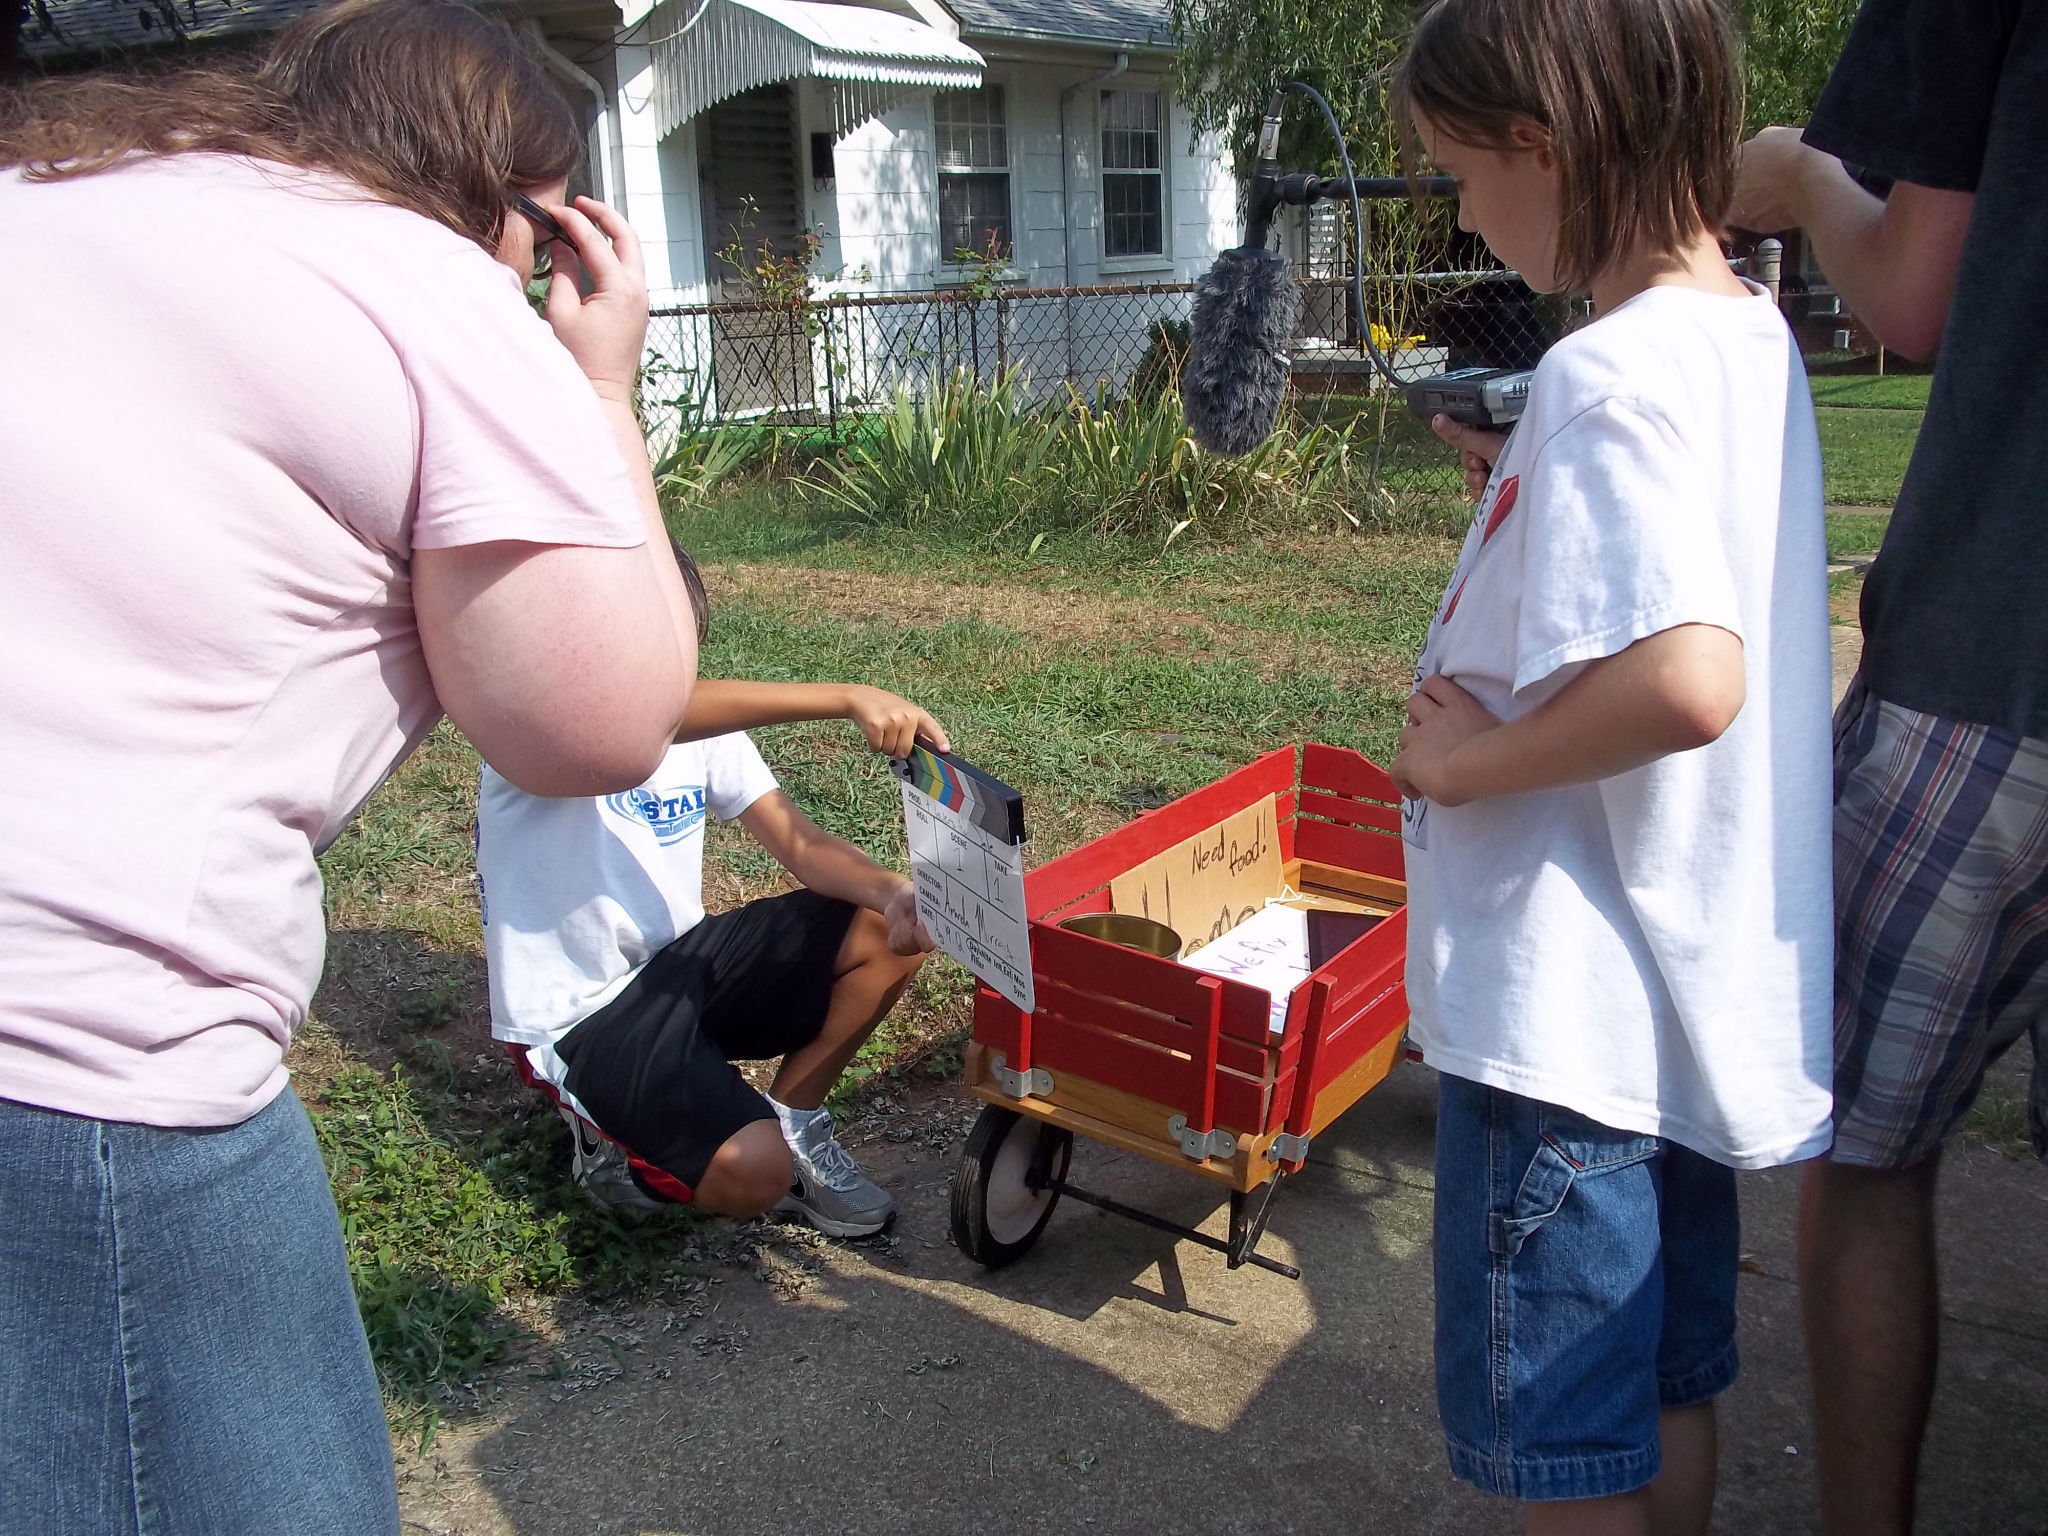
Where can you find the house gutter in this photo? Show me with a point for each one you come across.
(1123, 62)
(611, 156)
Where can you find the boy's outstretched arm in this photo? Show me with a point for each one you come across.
(832, 866)
(890, 724)
(1669, 692)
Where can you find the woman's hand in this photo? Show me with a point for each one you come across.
(1478, 449)
(1442, 717)
(605, 329)
(891, 725)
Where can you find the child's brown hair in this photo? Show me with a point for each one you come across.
(1642, 100)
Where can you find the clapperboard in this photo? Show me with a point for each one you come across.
(966, 836)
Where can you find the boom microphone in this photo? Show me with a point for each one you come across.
(1246, 308)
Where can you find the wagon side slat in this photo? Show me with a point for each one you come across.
(1314, 1000)
(1068, 1045)
(1367, 1002)
(1351, 813)
(1344, 772)
(1145, 980)
(1327, 842)
(1119, 1016)
(1093, 865)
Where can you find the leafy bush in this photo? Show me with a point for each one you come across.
(1159, 369)
(979, 455)
(968, 451)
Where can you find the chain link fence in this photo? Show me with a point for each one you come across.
(828, 362)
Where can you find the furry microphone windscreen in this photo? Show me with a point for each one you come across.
(1246, 309)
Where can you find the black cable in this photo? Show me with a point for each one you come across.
(1303, 88)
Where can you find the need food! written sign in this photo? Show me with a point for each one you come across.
(1204, 887)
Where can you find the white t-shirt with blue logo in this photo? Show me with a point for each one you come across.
(579, 894)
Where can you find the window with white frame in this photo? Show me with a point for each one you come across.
(974, 173)
(1133, 174)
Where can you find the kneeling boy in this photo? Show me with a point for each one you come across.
(628, 1006)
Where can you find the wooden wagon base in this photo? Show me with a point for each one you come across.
(1131, 1124)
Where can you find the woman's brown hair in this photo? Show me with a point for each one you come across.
(1642, 100)
(427, 104)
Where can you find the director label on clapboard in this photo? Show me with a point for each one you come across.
(965, 832)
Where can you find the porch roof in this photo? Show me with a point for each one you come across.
(708, 50)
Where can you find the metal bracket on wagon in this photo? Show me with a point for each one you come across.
(1020, 1085)
(1287, 1148)
(1199, 1145)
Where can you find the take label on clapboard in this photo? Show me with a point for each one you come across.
(965, 832)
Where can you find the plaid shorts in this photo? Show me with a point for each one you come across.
(1941, 912)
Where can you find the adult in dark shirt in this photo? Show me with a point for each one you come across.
(1941, 822)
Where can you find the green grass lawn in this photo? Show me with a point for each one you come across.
(1896, 392)
(1855, 533)
(1867, 429)
(1864, 451)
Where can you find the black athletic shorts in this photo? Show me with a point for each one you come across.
(654, 1066)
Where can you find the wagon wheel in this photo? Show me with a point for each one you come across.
(1001, 1198)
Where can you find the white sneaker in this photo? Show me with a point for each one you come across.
(827, 1187)
(601, 1171)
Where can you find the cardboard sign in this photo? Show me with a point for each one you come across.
(1206, 886)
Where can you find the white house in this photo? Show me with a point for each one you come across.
(899, 133)
(902, 135)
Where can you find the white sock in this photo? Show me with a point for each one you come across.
(796, 1121)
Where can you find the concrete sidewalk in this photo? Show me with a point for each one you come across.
(1116, 1381)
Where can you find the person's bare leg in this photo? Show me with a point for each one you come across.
(1625, 1514)
(1682, 1493)
(748, 1173)
(1678, 1502)
(1870, 1292)
(868, 978)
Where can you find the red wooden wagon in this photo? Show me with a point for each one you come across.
(1160, 1059)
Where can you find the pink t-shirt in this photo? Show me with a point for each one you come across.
(233, 400)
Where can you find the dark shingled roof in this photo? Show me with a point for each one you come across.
(58, 29)
(1139, 23)
(55, 29)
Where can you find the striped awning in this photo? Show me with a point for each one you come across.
(708, 50)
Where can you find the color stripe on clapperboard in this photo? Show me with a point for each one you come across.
(935, 777)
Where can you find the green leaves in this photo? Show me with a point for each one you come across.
(1234, 52)
(980, 455)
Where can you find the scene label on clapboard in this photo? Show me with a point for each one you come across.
(965, 833)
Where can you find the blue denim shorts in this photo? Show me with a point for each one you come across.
(1585, 1281)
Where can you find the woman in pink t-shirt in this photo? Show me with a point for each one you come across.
(288, 469)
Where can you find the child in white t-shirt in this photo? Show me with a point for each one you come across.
(1616, 766)
(628, 1006)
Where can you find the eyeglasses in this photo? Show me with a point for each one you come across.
(550, 229)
